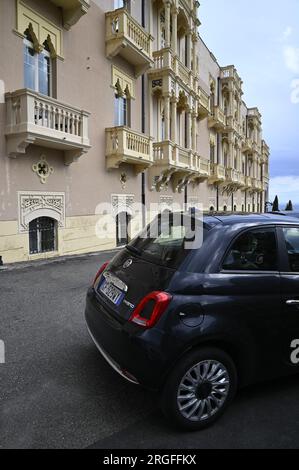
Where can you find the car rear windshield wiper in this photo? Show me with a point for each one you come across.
(134, 250)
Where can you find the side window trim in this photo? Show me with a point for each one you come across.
(242, 232)
(285, 263)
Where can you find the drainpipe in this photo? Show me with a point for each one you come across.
(218, 139)
(143, 198)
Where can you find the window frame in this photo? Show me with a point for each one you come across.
(125, 4)
(250, 271)
(38, 231)
(285, 262)
(44, 52)
(123, 107)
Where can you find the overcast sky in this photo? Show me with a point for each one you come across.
(261, 38)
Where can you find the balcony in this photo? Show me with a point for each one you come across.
(72, 10)
(172, 162)
(218, 174)
(166, 63)
(257, 185)
(233, 177)
(247, 146)
(248, 182)
(123, 145)
(203, 104)
(233, 126)
(126, 38)
(256, 148)
(242, 181)
(230, 73)
(217, 119)
(36, 119)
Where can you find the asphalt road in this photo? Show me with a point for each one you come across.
(56, 391)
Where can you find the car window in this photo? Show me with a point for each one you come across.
(291, 235)
(164, 240)
(255, 250)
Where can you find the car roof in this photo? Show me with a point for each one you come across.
(287, 213)
(250, 219)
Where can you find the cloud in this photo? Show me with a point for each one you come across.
(286, 187)
(291, 58)
(287, 32)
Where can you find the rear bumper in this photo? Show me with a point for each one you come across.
(140, 356)
(112, 363)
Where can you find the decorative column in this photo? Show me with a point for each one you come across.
(193, 132)
(167, 23)
(167, 117)
(230, 162)
(174, 41)
(151, 109)
(231, 102)
(189, 48)
(194, 41)
(188, 130)
(174, 120)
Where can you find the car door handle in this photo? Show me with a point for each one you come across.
(292, 302)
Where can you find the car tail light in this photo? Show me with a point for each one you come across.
(149, 310)
(100, 271)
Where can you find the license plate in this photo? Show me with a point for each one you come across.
(115, 295)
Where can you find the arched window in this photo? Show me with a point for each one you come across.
(243, 208)
(225, 208)
(42, 235)
(121, 106)
(235, 208)
(212, 209)
(37, 66)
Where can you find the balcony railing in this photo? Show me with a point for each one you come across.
(247, 146)
(123, 145)
(126, 37)
(233, 176)
(164, 59)
(170, 155)
(218, 174)
(33, 118)
(248, 181)
(217, 119)
(203, 104)
(257, 185)
(242, 181)
(233, 125)
(176, 158)
(231, 73)
(72, 10)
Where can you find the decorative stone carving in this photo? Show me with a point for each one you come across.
(122, 203)
(43, 169)
(166, 202)
(123, 180)
(32, 205)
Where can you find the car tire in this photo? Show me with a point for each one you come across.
(202, 384)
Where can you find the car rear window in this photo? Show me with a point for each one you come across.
(168, 240)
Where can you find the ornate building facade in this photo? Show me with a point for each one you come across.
(117, 102)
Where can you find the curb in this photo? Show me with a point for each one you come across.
(57, 260)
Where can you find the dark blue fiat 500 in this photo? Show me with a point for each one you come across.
(195, 324)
